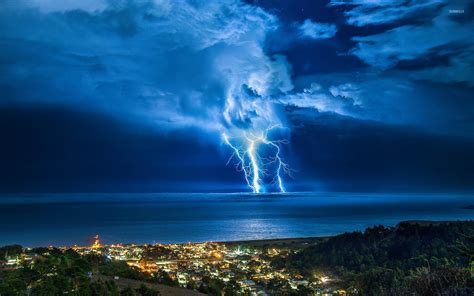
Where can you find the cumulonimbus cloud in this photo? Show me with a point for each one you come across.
(174, 63)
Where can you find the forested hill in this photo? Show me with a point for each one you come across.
(420, 258)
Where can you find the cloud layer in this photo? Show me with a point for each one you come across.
(366, 12)
(429, 30)
(314, 30)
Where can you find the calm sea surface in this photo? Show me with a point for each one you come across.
(49, 219)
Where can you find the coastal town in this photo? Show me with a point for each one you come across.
(356, 263)
(243, 268)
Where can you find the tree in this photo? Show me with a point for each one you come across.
(10, 251)
(145, 291)
(128, 291)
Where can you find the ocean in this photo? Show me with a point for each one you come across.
(69, 219)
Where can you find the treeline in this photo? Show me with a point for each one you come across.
(410, 259)
(54, 272)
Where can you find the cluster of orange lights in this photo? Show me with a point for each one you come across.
(217, 255)
(96, 244)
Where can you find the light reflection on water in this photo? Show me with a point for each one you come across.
(145, 218)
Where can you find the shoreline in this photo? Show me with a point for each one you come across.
(286, 241)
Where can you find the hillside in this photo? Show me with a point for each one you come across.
(412, 258)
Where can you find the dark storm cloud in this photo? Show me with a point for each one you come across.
(58, 149)
(354, 155)
(62, 150)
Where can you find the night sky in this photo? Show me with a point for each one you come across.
(134, 96)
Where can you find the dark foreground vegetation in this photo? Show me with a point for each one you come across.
(56, 272)
(414, 258)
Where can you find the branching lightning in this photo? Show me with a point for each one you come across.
(246, 149)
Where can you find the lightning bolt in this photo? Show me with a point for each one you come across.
(252, 164)
(241, 156)
(255, 169)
